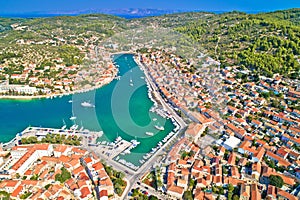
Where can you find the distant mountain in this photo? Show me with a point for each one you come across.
(135, 12)
(124, 12)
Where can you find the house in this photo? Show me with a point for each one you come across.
(245, 192)
(279, 160)
(255, 193)
(258, 155)
(175, 191)
(256, 170)
(194, 131)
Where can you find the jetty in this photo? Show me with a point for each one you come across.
(89, 137)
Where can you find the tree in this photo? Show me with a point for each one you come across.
(236, 197)
(187, 195)
(151, 197)
(4, 195)
(65, 175)
(119, 191)
(276, 180)
(230, 191)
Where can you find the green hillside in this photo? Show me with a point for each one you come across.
(268, 43)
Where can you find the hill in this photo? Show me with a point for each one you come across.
(267, 43)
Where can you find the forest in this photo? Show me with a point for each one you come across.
(266, 43)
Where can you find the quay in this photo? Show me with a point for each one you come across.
(111, 150)
(88, 137)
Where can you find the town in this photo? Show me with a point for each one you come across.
(236, 128)
(255, 148)
(44, 72)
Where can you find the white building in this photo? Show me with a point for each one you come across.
(33, 153)
(231, 143)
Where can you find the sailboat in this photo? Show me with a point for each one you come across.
(81, 129)
(73, 117)
(131, 83)
(64, 125)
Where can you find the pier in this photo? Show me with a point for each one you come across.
(88, 137)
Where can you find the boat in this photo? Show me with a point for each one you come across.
(74, 127)
(141, 161)
(118, 139)
(154, 119)
(131, 83)
(87, 104)
(134, 143)
(161, 128)
(70, 101)
(127, 151)
(149, 133)
(73, 117)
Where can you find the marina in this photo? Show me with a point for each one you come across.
(101, 118)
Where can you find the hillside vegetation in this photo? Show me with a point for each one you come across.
(268, 43)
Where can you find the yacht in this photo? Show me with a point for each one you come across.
(134, 142)
(73, 117)
(161, 128)
(87, 104)
(149, 133)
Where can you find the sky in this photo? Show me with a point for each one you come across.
(25, 6)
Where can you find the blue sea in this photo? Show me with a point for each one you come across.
(121, 109)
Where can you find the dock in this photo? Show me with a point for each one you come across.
(89, 137)
(111, 150)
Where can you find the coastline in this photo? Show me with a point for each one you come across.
(11, 97)
(115, 72)
(162, 143)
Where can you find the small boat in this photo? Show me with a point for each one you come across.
(141, 161)
(154, 119)
(87, 104)
(127, 151)
(118, 139)
(74, 127)
(161, 128)
(134, 143)
(149, 133)
(73, 118)
(70, 101)
(131, 83)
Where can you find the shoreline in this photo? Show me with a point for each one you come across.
(178, 126)
(11, 97)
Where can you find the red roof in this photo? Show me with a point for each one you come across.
(85, 192)
(103, 193)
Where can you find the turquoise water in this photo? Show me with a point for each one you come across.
(121, 110)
